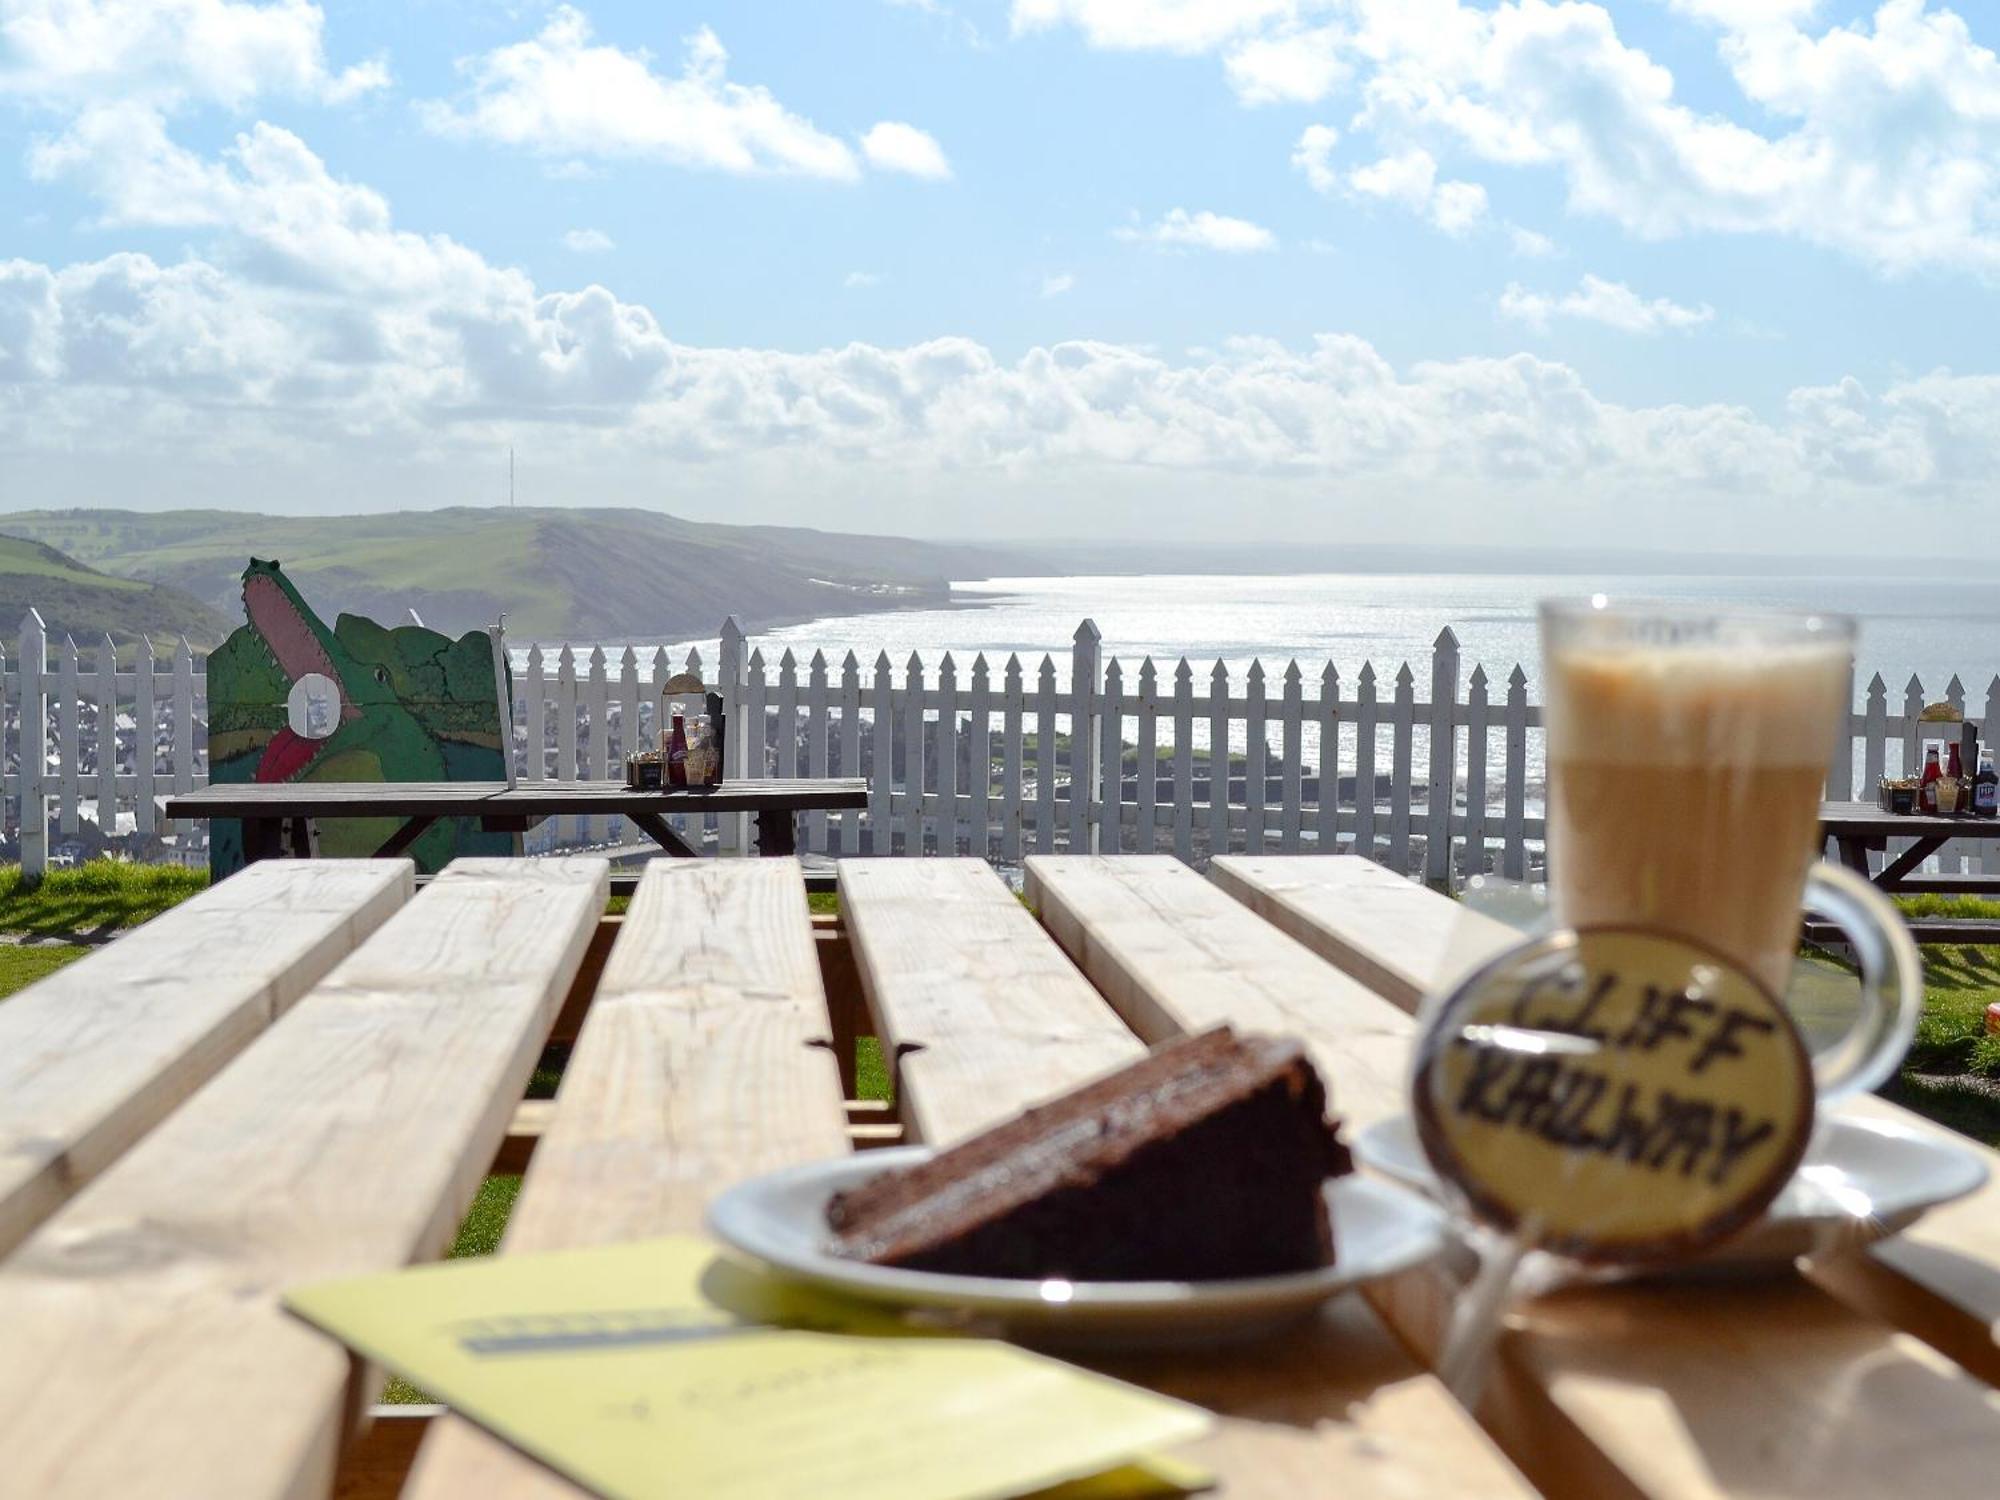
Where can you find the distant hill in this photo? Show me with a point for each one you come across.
(81, 602)
(582, 574)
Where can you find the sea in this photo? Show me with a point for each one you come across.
(1933, 629)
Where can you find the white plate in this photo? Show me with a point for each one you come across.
(780, 1220)
(1861, 1181)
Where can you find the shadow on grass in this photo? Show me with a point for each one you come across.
(99, 897)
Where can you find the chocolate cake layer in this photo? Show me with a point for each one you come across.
(1204, 1160)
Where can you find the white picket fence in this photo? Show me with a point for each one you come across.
(994, 759)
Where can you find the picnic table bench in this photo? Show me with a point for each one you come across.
(1858, 829)
(271, 809)
(304, 1072)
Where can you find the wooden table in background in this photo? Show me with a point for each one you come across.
(1858, 829)
(269, 809)
(324, 1102)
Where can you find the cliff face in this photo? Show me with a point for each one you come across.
(583, 574)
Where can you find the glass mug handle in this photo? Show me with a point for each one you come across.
(1892, 983)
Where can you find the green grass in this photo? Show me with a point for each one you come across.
(22, 966)
(102, 894)
(478, 1234)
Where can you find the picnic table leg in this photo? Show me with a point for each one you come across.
(263, 838)
(1893, 872)
(655, 827)
(775, 834)
(1854, 855)
(302, 838)
(400, 841)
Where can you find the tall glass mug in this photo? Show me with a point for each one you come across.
(1687, 749)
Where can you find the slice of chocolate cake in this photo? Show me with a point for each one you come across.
(1202, 1161)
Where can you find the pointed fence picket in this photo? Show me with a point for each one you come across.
(1105, 757)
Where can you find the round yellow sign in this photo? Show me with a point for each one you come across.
(1615, 1094)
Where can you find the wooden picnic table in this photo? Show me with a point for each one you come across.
(1858, 829)
(271, 809)
(305, 1071)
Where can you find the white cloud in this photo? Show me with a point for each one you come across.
(312, 337)
(1294, 65)
(168, 52)
(1056, 285)
(1879, 139)
(564, 96)
(1409, 178)
(892, 146)
(1531, 244)
(1202, 230)
(1172, 25)
(1313, 155)
(857, 279)
(587, 241)
(1611, 303)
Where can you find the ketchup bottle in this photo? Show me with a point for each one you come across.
(1927, 792)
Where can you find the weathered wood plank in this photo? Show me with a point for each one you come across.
(94, 1056)
(147, 1353)
(1340, 1407)
(696, 1068)
(1357, 916)
(980, 1010)
(1771, 1389)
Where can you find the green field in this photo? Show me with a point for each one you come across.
(81, 602)
(556, 573)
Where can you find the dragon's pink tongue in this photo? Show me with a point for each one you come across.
(286, 756)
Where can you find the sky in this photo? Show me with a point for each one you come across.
(1708, 274)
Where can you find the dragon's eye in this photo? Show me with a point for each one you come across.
(382, 675)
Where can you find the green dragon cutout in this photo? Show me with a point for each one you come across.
(402, 704)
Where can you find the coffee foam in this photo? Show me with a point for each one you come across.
(1695, 705)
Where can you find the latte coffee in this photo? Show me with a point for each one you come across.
(1686, 758)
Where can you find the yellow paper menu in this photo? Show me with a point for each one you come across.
(659, 1369)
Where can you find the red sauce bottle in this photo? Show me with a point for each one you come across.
(677, 754)
(1927, 792)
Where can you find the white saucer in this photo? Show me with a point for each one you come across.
(1861, 1181)
(780, 1220)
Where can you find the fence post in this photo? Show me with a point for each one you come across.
(1256, 757)
(184, 717)
(66, 757)
(1401, 772)
(1084, 732)
(1989, 857)
(947, 757)
(1443, 786)
(979, 756)
(1913, 709)
(107, 737)
(816, 732)
(732, 829)
(1291, 799)
(1513, 852)
(1841, 776)
(34, 746)
(145, 738)
(1475, 773)
(881, 824)
(913, 756)
(1013, 764)
(850, 746)
(1218, 760)
(1874, 737)
(1110, 820)
(1147, 786)
(1364, 762)
(1184, 762)
(1329, 758)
